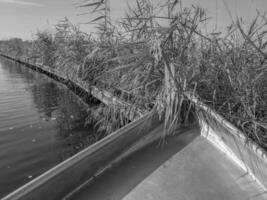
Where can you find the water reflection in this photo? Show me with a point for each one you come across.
(41, 124)
(60, 105)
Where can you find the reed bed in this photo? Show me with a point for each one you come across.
(153, 58)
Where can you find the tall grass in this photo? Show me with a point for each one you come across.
(161, 62)
(158, 53)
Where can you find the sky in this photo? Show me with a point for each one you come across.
(22, 18)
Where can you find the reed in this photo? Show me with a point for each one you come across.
(152, 59)
(160, 62)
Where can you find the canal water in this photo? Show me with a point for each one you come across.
(42, 123)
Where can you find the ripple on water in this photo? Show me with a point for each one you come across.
(36, 130)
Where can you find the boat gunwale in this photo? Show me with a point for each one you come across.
(259, 151)
(238, 138)
(55, 171)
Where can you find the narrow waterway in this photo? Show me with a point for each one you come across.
(41, 124)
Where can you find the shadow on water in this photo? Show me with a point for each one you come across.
(41, 124)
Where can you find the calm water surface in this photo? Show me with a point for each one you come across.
(41, 124)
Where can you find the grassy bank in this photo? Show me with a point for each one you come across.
(153, 58)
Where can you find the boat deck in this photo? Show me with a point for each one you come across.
(188, 167)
